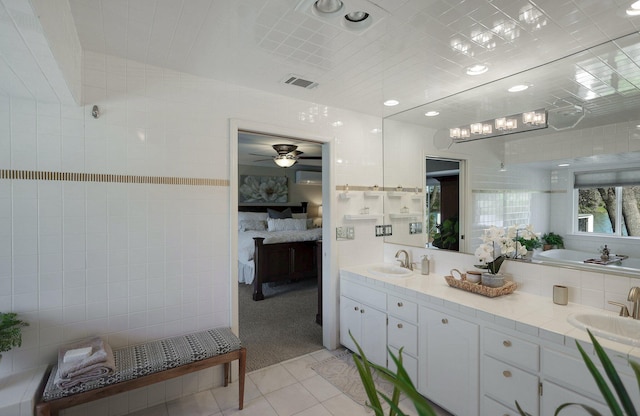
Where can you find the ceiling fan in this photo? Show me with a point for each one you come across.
(288, 155)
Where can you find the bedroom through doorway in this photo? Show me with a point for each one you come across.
(279, 200)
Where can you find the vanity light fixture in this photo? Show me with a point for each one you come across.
(391, 103)
(531, 120)
(477, 69)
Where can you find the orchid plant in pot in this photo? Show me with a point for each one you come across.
(499, 244)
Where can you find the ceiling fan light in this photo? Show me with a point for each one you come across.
(285, 161)
(328, 6)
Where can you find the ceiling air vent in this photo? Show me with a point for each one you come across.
(300, 82)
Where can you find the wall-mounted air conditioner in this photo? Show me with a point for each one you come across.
(305, 177)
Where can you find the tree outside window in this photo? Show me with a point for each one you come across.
(613, 210)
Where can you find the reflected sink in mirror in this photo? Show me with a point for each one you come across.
(615, 328)
(389, 270)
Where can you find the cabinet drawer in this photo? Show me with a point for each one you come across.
(514, 350)
(403, 334)
(572, 372)
(364, 294)
(402, 308)
(491, 407)
(507, 384)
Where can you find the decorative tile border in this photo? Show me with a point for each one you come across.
(104, 177)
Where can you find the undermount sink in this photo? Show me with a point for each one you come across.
(615, 328)
(389, 270)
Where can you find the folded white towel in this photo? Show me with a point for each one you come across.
(76, 354)
(98, 364)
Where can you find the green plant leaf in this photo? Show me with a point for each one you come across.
(367, 379)
(522, 412)
(625, 400)
(589, 409)
(601, 383)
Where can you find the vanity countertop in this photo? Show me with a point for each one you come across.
(524, 312)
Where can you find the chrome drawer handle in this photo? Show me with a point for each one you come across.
(361, 310)
(400, 326)
(506, 373)
(506, 343)
(400, 304)
(355, 308)
(445, 321)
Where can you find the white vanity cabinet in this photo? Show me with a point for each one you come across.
(449, 353)
(509, 371)
(363, 313)
(402, 332)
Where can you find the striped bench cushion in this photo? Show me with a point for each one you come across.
(152, 357)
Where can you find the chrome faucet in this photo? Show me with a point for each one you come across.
(634, 296)
(406, 263)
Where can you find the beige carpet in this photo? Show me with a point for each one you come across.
(280, 327)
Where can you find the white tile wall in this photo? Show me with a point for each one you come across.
(131, 261)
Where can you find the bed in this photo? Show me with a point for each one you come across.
(272, 249)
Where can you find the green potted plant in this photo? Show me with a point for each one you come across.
(10, 331)
(447, 235)
(552, 240)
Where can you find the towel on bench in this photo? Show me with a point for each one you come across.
(98, 364)
(152, 357)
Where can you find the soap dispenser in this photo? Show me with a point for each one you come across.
(425, 264)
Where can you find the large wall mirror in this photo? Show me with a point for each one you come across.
(590, 102)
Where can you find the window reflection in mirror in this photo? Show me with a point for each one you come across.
(608, 202)
(442, 193)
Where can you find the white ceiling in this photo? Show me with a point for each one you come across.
(416, 51)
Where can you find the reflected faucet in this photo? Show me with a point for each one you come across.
(634, 296)
(406, 263)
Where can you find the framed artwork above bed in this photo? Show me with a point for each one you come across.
(263, 189)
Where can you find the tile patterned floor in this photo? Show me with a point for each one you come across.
(290, 388)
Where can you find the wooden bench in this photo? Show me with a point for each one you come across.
(144, 364)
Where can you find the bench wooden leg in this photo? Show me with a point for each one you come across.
(242, 364)
(227, 373)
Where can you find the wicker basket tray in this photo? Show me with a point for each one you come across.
(492, 292)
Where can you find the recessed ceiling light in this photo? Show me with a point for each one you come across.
(564, 165)
(337, 123)
(431, 113)
(477, 69)
(328, 6)
(518, 88)
(634, 9)
(391, 103)
(376, 131)
(355, 17)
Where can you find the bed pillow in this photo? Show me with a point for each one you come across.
(299, 215)
(242, 216)
(287, 224)
(279, 214)
(252, 225)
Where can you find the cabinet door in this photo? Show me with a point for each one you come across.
(554, 395)
(452, 361)
(374, 335)
(350, 320)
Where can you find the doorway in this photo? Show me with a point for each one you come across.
(283, 325)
